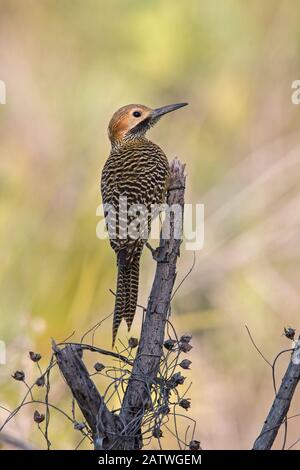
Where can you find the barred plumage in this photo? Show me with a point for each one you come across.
(138, 170)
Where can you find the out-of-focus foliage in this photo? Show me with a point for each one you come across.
(67, 66)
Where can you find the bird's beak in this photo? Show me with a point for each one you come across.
(158, 112)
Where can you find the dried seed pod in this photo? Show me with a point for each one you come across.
(40, 382)
(169, 344)
(178, 379)
(19, 375)
(185, 363)
(185, 347)
(185, 403)
(290, 333)
(99, 367)
(185, 338)
(194, 445)
(157, 432)
(133, 342)
(38, 417)
(35, 357)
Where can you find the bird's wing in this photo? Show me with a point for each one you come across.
(141, 179)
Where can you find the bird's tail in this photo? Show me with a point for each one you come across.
(126, 294)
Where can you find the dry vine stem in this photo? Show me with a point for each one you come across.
(123, 431)
(281, 404)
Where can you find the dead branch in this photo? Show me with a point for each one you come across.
(98, 350)
(281, 403)
(102, 422)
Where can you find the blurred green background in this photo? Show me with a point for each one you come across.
(68, 65)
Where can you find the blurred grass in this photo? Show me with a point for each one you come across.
(67, 66)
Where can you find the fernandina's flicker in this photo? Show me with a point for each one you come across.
(137, 169)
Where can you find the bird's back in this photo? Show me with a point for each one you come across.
(138, 170)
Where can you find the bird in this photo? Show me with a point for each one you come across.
(137, 170)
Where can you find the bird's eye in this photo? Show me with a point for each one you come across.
(136, 114)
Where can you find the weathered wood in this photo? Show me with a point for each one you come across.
(281, 403)
(101, 421)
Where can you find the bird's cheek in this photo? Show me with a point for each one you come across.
(120, 132)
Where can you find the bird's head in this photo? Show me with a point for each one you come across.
(133, 121)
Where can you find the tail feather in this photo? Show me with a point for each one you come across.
(119, 302)
(126, 295)
(133, 290)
